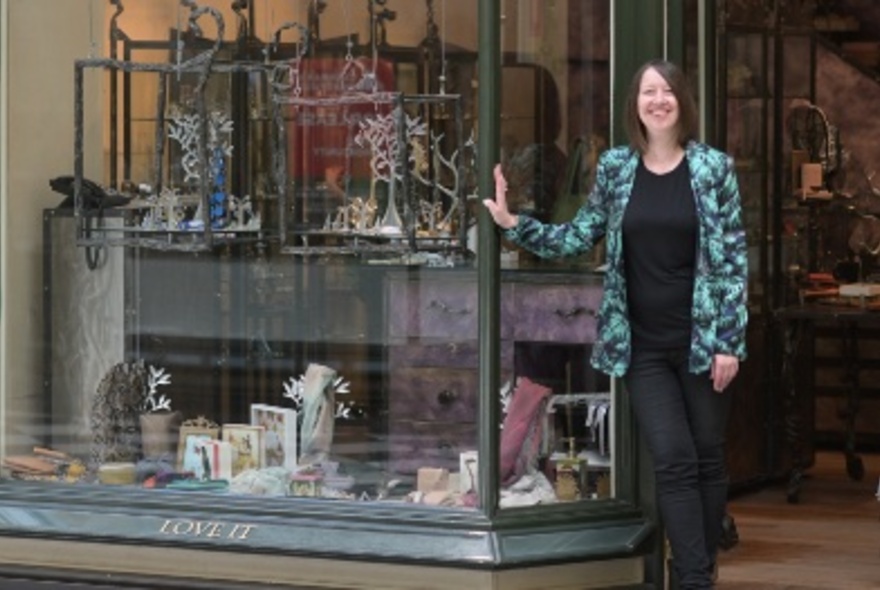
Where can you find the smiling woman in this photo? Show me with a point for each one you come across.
(660, 92)
(662, 202)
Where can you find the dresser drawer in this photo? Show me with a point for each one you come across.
(556, 313)
(415, 444)
(464, 355)
(438, 307)
(433, 394)
(460, 355)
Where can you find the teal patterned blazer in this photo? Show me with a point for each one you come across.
(719, 311)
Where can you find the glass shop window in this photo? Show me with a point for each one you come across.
(266, 283)
(235, 305)
(556, 440)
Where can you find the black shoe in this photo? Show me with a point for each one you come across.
(729, 535)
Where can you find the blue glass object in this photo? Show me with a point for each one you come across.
(218, 203)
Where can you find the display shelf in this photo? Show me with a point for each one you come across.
(300, 136)
(746, 98)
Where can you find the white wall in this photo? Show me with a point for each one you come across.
(43, 37)
(4, 32)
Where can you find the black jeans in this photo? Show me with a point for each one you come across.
(683, 420)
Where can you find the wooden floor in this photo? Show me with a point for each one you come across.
(830, 540)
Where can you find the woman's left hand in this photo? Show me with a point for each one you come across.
(724, 369)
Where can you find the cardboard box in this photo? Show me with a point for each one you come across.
(432, 479)
(811, 177)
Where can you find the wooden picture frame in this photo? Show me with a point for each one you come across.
(281, 440)
(248, 446)
(189, 458)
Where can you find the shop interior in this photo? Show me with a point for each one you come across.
(797, 85)
(795, 111)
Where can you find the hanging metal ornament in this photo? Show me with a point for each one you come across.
(316, 9)
(354, 75)
(238, 6)
(287, 75)
(379, 14)
(443, 47)
(347, 83)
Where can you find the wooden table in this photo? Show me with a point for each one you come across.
(793, 322)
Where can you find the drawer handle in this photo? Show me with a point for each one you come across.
(446, 309)
(446, 449)
(574, 312)
(447, 397)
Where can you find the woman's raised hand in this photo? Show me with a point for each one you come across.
(498, 207)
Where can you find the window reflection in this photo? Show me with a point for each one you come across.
(555, 122)
(242, 327)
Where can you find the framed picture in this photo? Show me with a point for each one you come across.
(248, 446)
(189, 451)
(280, 425)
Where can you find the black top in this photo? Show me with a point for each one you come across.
(659, 251)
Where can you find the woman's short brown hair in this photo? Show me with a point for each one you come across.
(688, 119)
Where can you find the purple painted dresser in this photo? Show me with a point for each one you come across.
(433, 345)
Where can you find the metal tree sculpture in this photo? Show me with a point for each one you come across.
(380, 134)
(185, 128)
(441, 164)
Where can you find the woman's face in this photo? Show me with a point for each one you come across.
(658, 107)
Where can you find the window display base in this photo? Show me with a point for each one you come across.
(60, 562)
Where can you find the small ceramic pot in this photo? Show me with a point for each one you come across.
(159, 433)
